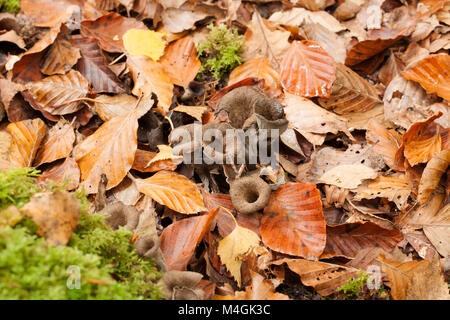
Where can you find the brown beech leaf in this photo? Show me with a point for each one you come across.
(436, 230)
(27, 136)
(109, 150)
(60, 58)
(109, 29)
(348, 176)
(346, 240)
(55, 213)
(58, 144)
(392, 68)
(421, 142)
(94, 68)
(293, 222)
(50, 13)
(172, 190)
(64, 172)
(395, 188)
(307, 70)
(54, 93)
(150, 76)
(259, 68)
(181, 62)
(428, 7)
(307, 117)
(194, 112)
(325, 278)
(432, 174)
(142, 158)
(108, 107)
(415, 280)
(385, 141)
(11, 36)
(432, 73)
(350, 93)
(91, 11)
(180, 239)
(259, 289)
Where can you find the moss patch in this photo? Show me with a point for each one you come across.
(9, 6)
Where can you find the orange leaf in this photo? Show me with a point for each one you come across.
(293, 222)
(60, 173)
(348, 239)
(307, 70)
(27, 136)
(260, 289)
(181, 61)
(432, 174)
(172, 190)
(109, 29)
(385, 142)
(60, 58)
(180, 239)
(257, 68)
(433, 74)
(142, 158)
(49, 13)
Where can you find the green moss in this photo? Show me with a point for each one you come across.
(109, 265)
(356, 289)
(9, 6)
(221, 52)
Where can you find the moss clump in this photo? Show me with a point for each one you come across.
(9, 6)
(356, 289)
(221, 52)
(108, 264)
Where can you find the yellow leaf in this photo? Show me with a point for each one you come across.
(238, 244)
(144, 43)
(165, 153)
(195, 112)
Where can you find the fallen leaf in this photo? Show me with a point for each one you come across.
(50, 14)
(181, 62)
(142, 158)
(348, 176)
(66, 173)
(55, 213)
(180, 239)
(147, 43)
(307, 70)
(165, 153)
(60, 58)
(259, 289)
(27, 136)
(172, 190)
(58, 144)
(432, 174)
(108, 107)
(436, 230)
(385, 141)
(195, 112)
(293, 222)
(12, 37)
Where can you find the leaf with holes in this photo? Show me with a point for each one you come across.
(54, 94)
(350, 93)
(58, 143)
(293, 222)
(433, 74)
(307, 70)
(180, 239)
(27, 136)
(181, 62)
(172, 190)
(94, 68)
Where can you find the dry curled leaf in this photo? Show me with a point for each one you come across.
(60, 58)
(432, 174)
(307, 70)
(385, 141)
(172, 190)
(55, 213)
(293, 222)
(348, 176)
(66, 173)
(259, 289)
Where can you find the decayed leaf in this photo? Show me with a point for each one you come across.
(57, 144)
(260, 289)
(66, 172)
(348, 239)
(54, 93)
(50, 13)
(108, 107)
(348, 176)
(27, 136)
(307, 117)
(436, 229)
(60, 58)
(293, 222)
(257, 68)
(325, 278)
(307, 70)
(413, 280)
(350, 93)
(172, 190)
(234, 247)
(94, 68)
(432, 174)
(109, 150)
(395, 188)
(55, 213)
(385, 141)
(181, 61)
(150, 76)
(180, 239)
(263, 39)
(109, 30)
(148, 43)
(194, 112)
(405, 102)
(432, 73)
